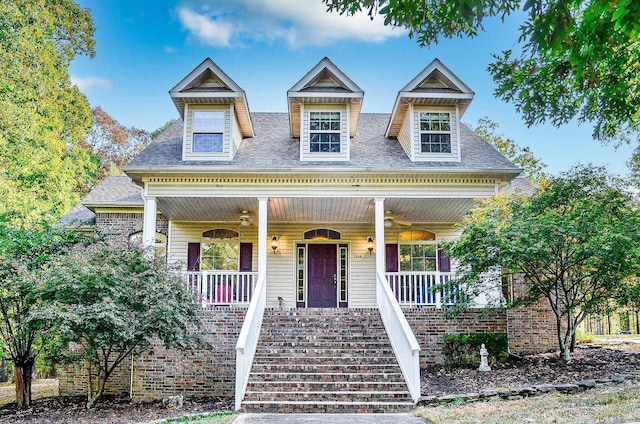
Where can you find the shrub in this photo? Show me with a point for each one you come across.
(464, 349)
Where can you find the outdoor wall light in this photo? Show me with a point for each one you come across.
(370, 244)
(274, 244)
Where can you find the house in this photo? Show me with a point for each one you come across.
(306, 233)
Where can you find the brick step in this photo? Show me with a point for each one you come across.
(322, 377)
(329, 407)
(326, 386)
(326, 395)
(315, 358)
(294, 354)
(383, 367)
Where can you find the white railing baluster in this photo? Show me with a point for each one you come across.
(221, 287)
(417, 288)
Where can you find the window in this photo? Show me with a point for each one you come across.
(435, 132)
(220, 250)
(322, 234)
(324, 132)
(417, 251)
(208, 131)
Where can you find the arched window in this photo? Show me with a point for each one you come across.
(417, 251)
(220, 250)
(322, 234)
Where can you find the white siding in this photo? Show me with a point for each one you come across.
(305, 154)
(188, 142)
(236, 138)
(454, 156)
(281, 266)
(404, 136)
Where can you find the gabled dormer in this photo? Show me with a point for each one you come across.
(427, 112)
(324, 108)
(215, 113)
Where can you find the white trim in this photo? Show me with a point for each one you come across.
(317, 69)
(348, 112)
(184, 132)
(459, 142)
(412, 132)
(231, 140)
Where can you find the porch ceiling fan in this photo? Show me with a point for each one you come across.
(245, 219)
(390, 220)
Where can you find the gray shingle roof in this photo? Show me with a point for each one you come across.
(272, 148)
(79, 216)
(520, 185)
(115, 190)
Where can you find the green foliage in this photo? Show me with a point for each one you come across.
(533, 168)
(107, 302)
(573, 58)
(43, 118)
(574, 243)
(464, 349)
(24, 258)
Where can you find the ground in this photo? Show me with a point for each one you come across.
(588, 362)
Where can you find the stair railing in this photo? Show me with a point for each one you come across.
(248, 338)
(403, 341)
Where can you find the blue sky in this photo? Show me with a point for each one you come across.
(145, 47)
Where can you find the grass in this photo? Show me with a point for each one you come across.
(39, 389)
(611, 404)
(213, 418)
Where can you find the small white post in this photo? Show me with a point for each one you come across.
(149, 221)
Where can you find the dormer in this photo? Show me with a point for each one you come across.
(215, 114)
(427, 112)
(324, 108)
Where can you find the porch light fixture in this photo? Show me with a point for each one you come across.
(274, 244)
(370, 244)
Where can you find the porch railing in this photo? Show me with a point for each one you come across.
(248, 338)
(222, 287)
(422, 288)
(403, 341)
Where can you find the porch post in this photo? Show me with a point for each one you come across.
(262, 235)
(379, 223)
(149, 221)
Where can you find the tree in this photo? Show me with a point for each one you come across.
(627, 295)
(107, 302)
(533, 168)
(575, 59)
(43, 118)
(24, 255)
(573, 244)
(114, 143)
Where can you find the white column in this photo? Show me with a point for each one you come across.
(262, 235)
(149, 221)
(379, 222)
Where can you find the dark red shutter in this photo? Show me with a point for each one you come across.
(391, 256)
(444, 261)
(193, 257)
(246, 257)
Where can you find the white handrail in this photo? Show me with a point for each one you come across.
(248, 338)
(404, 342)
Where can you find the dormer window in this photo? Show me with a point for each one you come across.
(435, 132)
(324, 132)
(208, 132)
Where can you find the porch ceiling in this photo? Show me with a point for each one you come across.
(314, 210)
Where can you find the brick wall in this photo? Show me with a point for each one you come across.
(209, 371)
(120, 225)
(430, 324)
(531, 329)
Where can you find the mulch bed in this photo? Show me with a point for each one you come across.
(588, 363)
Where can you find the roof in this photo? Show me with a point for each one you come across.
(115, 190)
(79, 216)
(519, 185)
(273, 149)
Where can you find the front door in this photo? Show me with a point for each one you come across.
(322, 277)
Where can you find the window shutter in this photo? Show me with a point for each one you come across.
(246, 257)
(391, 256)
(444, 261)
(193, 257)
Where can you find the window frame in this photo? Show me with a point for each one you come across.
(215, 130)
(435, 136)
(331, 143)
(431, 244)
(210, 244)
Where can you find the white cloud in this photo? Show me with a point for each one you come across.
(169, 49)
(226, 23)
(86, 84)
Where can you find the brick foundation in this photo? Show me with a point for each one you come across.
(204, 372)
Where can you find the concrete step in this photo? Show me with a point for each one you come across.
(329, 407)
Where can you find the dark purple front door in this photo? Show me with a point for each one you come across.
(322, 268)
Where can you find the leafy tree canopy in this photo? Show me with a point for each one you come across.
(107, 302)
(533, 168)
(43, 118)
(576, 59)
(573, 243)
